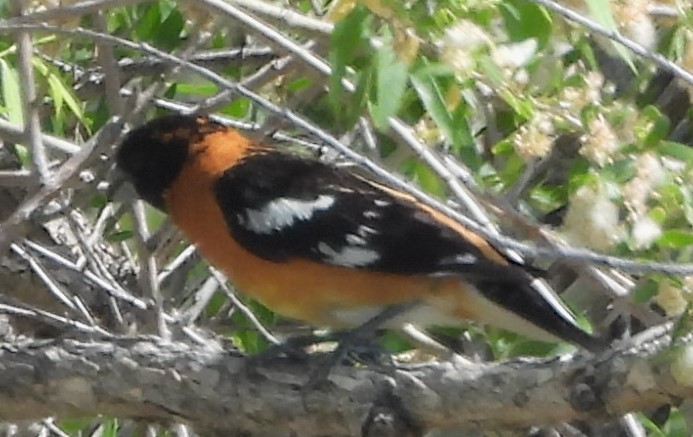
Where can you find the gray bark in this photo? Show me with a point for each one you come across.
(224, 393)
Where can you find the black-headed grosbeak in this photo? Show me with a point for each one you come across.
(324, 245)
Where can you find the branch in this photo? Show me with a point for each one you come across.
(221, 391)
(628, 43)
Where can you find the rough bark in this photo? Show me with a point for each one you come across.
(223, 392)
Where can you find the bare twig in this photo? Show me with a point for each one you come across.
(12, 228)
(109, 65)
(32, 120)
(221, 280)
(76, 10)
(11, 132)
(113, 289)
(286, 16)
(615, 36)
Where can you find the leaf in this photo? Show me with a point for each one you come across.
(660, 125)
(453, 125)
(602, 14)
(676, 238)
(432, 98)
(346, 40)
(118, 236)
(11, 94)
(524, 20)
(168, 32)
(391, 82)
(645, 291)
(677, 150)
(59, 91)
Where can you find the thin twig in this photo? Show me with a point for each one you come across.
(243, 308)
(111, 72)
(13, 227)
(76, 10)
(9, 305)
(615, 36)
(32, 120)
(14, 133)
(113, 290)
(286, 16)
(149, 268)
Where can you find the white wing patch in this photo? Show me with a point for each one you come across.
(365, 231)
(348, 256)
(281, 213)
(466, 258)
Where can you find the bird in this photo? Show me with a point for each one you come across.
(328, 245)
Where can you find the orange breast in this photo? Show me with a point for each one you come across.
(299, 289)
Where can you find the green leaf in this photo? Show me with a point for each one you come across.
(347, 38)
(676, 425)
(602, 14)
(432, 98)
(660, 125)
(11, 94)
(391, 82)
(110, 428)
(650, 426)
(522, 106)
(524, 20)
(645, 291)
(427, 179)
(148, 24)
(677, 150)
(118, 236)
(61, 94)
(168, 32)
(676, 238)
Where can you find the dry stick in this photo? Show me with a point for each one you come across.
(321, 66)
(52, 286)
(221, 280)
(30, 103)
(203, 294)
(562, 252)
(149, 267)
(111, 72)
(184, 108)
(262, 76)
(13, 227)
(77, 10)
(72, 302)
(290, 18)
(108, 285)
(615, 36)
(14, 133)
(10, 305)
(15, 178)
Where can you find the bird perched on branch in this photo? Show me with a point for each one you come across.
(328, 246)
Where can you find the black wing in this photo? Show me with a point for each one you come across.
(281, 206)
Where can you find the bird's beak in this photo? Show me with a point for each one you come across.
(120, 189)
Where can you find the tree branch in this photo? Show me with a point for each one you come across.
(217, 390)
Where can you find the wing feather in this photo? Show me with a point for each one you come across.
(281, 206)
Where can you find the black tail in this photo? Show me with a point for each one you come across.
(546, 312)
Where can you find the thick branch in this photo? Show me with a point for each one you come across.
(213, 389)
